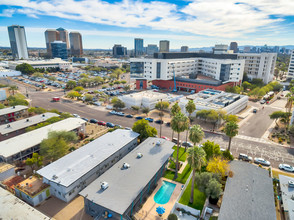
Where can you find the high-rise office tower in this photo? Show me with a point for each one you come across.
(63, 36)
(184, 49)
(163, 46)
(139, 47)
(59, 50)
(119, 51)
(234, 47)
(51, 35)
(18, 41)
(76, 46)
(151, 49)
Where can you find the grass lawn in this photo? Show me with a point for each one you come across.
(277, 172)
(199, 197)
(182, 154)
(182, 177)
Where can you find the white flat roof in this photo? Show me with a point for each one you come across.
(27, 140)
(14, 208)
(12, 109)
(24, 123)
(73, 166)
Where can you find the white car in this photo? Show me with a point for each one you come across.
(76, 115)
(286, 167)
(261, 161)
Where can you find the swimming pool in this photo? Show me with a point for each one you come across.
(164, 193)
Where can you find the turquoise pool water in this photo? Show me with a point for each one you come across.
(164, 193)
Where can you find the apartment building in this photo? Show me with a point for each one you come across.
(11, 114)
(259, 65)
(73, 172)
(291, 66)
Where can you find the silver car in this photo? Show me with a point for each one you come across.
(286, 167)
(261, 161)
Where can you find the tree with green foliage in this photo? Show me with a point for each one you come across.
(211, 149)
(73, 94)
(146, 110)
(227, 155)
(119, 105)
(114, 100)
(57, 144)
(127, 88)
(135, 108)
(161, 106)
(231, 130)
(17, 99)
(38, 110)
(53, 78)
(257, 82)
(278, 87)
(38, 74)
(213, 189)
(88, 98)
(172, 216)
(230, 117)
(116, 82)
(110, 84)
(143, 128)
(13, 88)
(2, 106)
(35, 161)
(276, 115)
(78, 89)
(71, 84)
(190, 108)
(123, 82)
(179, 124)
(25, 68)
(173, 111)
(196, 159)
(218, 166)
(117, 72)
(246, 85)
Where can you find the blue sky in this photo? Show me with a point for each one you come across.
(195, 23)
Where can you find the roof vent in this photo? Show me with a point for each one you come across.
(13, 106)
(28, 119)
(139, 155)
(43, 115)
(126, 166)
(291, 183)
(158, 143)
(104, 185)
(54, 177)
(8, 126)
(292, 197)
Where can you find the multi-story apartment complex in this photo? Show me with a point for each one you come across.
(18, 41)
(291, 66)
(76, 45)
(163, 46)
(139, 47)
(11, 114)
(259, 65)
(59, 50)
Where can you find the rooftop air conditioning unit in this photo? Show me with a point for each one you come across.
(8, 126)
(158, 143)
(126, 166)
(139, 155)
(104, 185)
(291, 183)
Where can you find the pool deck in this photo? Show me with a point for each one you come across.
(148, 211)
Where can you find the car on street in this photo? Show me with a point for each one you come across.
(76, 115)
(261, 161)
(167, 123)
(245, 157)
(101, 123)
(127, 128)
(110, 125)
(166, 138)
(94, 121)
(139, 117)
(118, 126)
(85, 119)
(113, 112)
(187, 144)
(255, 110)
(149, 119)
(286, 167)
(175, 140)
(262, 101)
(159, 121)
(129, 116)
(120, 114)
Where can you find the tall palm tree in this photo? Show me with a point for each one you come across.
(196, 159)
(179, 123)
(13, 88)
(162, 105)
(196, 134)
(173, 111)
(231, 130)
(190, 108)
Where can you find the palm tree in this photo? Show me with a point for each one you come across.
(190, 108)
(13, 88)
(231, 130)
(179, 123)
(174, 110)
(196, 159)
(161, 105)
(196, 134)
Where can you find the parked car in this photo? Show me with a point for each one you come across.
(255, 110)
(101, 123)
(113, 112)
(121, 114)
(187, 144)
(94, 121)
(262, 101)
(129, 116)
(175, 140)
(149, 119)
(118, 126)
(166, 138)
(85, 119)
(76, 115)
(244, 157)
(110, 125)
(139, 117)
(127, 128)
(291, 183)
(261, 161)
(159, 121)
(286, 167)
(168, 123)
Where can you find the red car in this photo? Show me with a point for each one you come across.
(101, 123)
(165, 138)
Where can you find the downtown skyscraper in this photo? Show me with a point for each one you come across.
(18, 41)
(76, 46)
(139, 47)
(52, 35)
